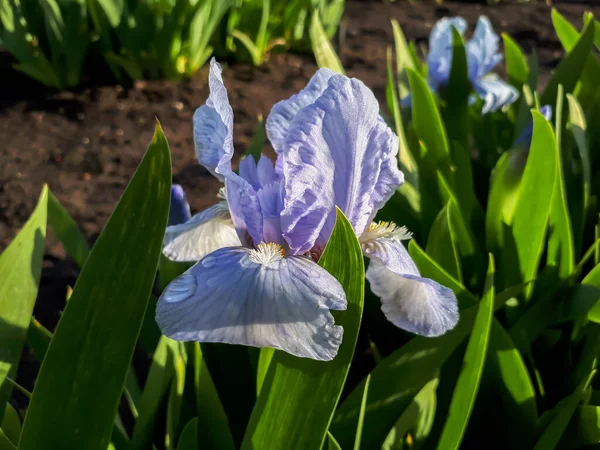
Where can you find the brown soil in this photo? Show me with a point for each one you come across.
(86, 144)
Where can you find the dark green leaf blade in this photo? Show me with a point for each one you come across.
(82, 377)
(294, 384)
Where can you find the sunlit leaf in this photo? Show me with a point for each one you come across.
(81, 380)
(322, 48)
(570, 68)
(21, 268)
(529, 223)
(516, 64)
(561, 253)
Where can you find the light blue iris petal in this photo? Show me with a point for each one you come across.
(265, 171)
(495, 93)
(282, 303)
(258, 175)
(546, 111)
(244, 207)
(213, 127)
(179, 211)
(204, 233)
(271, 204)
(439, 58)
(247, 171)
(278, 122)
(482, 50)
(409, 301)
(338, 152)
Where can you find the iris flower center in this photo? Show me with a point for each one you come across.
(266, 253)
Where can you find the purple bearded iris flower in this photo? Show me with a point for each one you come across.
(482, 57)
(257, 281)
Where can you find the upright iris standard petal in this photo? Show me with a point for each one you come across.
(495, 93)
(278, 122)
(258, 175)
(483, 49)
(213, 127)
(258, 298)
(244, 207)
(482, 56)
(409, 301)
(204, 233)
(338, 152)
(439, 58)
(180, 208)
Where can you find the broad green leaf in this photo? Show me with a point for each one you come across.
(322, 48)
(189, 436)
(511, 381)
(90, 354)
(213, 428)
(502, 200)
(533, 205)
(11, 424)
(565, 31)
(516, 64)
(175, 398)
(592, 279)
(332, 444)
(404, 59)
(157, 384)
(361, 415)
(583, 429)
(21, 268)
(561, 253)
(467, 385)
(587, 88)
(395, 382)
(564, 411)
(442, 248)
(67, 230)
(428, 125)
(294, 384)
(264, 361)
(570, 68)
(577, 125)
(5, 443)
(420, 407)
(113, 10)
